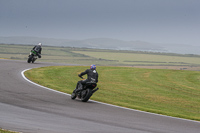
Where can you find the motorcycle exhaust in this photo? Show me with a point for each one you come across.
(93, 91)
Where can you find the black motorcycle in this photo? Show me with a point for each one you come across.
(86, 92)
(32, 56)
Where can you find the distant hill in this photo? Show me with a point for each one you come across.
(104, 43)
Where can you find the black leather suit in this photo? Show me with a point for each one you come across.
(92, 76)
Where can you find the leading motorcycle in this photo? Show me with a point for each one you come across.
(87, 91)
(32, 56)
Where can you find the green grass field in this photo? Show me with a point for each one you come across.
(141, 58)
(100, 57)
(169, 92)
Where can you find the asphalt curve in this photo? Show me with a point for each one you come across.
(27, 108)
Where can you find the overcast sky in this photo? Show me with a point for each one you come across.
(156, 21)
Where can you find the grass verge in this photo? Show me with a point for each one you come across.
(6, 131)
(168, 92)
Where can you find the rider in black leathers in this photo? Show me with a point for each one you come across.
(92, 76)
(38, 49)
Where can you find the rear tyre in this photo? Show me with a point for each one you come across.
(30, 59)
(85, 95)
(33, 60)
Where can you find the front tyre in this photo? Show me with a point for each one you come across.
(73, 96)
(85, 95)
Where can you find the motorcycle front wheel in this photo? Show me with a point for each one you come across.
(73, 96)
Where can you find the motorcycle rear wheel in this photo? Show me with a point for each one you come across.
(85, 95)
(33, 60)
(30, 59)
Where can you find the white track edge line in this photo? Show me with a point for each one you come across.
(22, 73)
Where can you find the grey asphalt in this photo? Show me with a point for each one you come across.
(27, 108)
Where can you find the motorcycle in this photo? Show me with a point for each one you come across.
(86, 92)
(32, 56)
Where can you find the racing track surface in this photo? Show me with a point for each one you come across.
(27, 108)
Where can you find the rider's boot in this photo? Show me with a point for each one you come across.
(74, 90)
(80, 86)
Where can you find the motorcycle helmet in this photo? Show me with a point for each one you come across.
(40, 44)
(93, 67)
